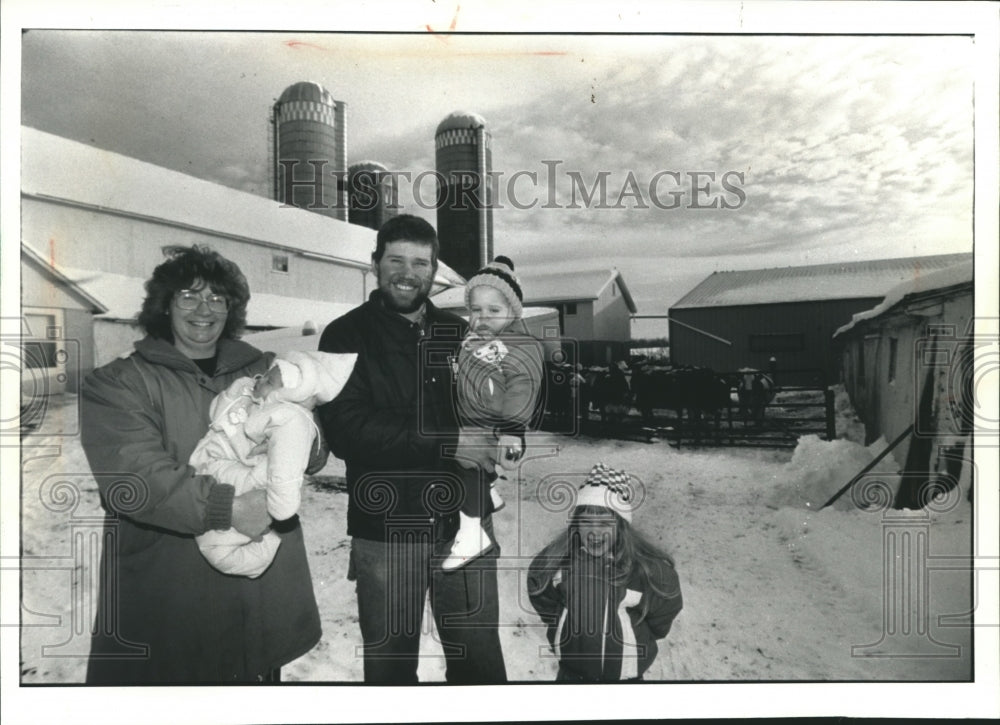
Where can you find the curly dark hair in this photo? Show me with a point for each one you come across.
(183, 267)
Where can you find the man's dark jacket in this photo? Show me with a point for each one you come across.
(395, 419)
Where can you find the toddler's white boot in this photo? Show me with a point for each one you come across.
(498, 502)
(471, 541)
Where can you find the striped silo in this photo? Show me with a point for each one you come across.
(464, 159)
(372, 194)
(310, 138)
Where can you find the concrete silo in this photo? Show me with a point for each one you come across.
(372, 195)
(464, 159)
(310, 142)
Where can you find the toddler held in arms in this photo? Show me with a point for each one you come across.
(498, 387)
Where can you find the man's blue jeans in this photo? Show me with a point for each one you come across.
(393, 579)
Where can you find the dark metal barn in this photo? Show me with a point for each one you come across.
(784, 318)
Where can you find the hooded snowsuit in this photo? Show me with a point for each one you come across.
(284, 420)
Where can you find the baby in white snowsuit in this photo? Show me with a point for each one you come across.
(275, 409)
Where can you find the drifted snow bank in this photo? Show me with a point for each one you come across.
(850, 543)
(819, 469)
(849, 426)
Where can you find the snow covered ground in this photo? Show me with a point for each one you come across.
(775, 590)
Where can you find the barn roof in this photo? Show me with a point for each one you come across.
(59, 170)
(551, 288)
(819, 282)
(573, 286)
(958, 276)
(88, 300)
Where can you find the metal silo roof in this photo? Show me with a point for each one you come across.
(460, 119)
(307, 91)
(366, 166)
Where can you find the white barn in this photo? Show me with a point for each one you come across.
(94, 224)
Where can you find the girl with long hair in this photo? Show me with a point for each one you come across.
(605, 591)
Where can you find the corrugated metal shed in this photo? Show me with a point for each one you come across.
(912, 360)
(958, 275)
(843, 280)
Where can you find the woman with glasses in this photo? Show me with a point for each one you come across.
(164, 614)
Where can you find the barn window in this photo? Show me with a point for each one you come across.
(570, 308)
(861, 362)
(279, 263)
(791, 342)
(40, 352)
(893, 347)
(614, 290)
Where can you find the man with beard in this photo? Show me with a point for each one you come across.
(394, 424)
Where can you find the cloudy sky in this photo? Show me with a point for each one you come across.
(832, 147)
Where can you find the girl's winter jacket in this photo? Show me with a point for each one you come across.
(594, 624)
(164, 614)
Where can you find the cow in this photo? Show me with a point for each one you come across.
(698, 393)
(564, 392)
(754, 390)
(705, 395)
(654, 388)
(608, 391)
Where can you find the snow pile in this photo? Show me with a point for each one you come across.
(846, 549)
(841, 547)
(820, 468)
(849, 425)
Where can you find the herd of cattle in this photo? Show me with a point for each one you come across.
(694, 396)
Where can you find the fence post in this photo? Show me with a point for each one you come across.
(831, 421)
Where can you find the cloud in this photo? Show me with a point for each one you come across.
(857, 143)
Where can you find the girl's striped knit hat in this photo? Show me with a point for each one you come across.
(607, 488)
(499, 274)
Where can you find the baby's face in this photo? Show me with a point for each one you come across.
(489, 311)
(268, 383)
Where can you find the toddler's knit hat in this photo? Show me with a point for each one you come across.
(607, 488)
(498, 274)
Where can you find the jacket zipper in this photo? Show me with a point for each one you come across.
(605, 633)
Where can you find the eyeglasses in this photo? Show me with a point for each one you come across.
(190, 300)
